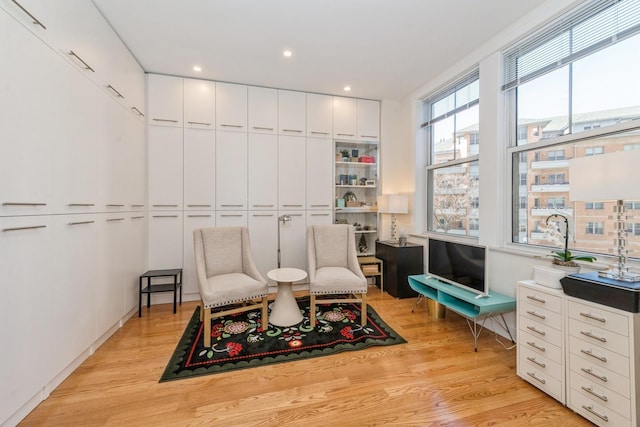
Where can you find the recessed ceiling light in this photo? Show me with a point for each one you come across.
(347, 88)
(197, 68)
(287, 53)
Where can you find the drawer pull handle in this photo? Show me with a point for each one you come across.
(532, 344)
(198, 216)
(313, 132)
(231, 206)
(80, 222)
(137, 217)
(23, 204)
(198, 206)
(199, 123)
(24, 228)
(533, 329)
(115, 206)
(254, 215)
(262, 206)
(231, 126)
(137, 206)
(261, 128)
(35, 20)
(81, 204)
(590, 353)
(595, 337)
(593, 393)
(114, 90)
(533, 360)
(319, 206)
(345, 134)
(165, 216)
(533, 375)
(591, 410)
(165, 120)
(536, 299)
(317, 214)
(228, 215)
(165, 206)
(591, 316)
(86, 66)
(138, 112)
(291, 130)
(369, 136)
(291, 206)
(590, 372)
(539, 316)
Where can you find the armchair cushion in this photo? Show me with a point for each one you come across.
(231, 288)
(222, 250)
(337, 280)
(331, 244)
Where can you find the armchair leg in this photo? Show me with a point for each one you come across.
(207, 327)
(202, 310)
(363, 307)
(312, 312)
(265, 313)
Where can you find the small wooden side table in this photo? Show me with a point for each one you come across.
(152, 288)
(372, 267)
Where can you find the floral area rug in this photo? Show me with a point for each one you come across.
(238, 342)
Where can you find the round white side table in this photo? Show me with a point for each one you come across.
(285, 310)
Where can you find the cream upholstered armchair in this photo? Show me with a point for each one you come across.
(334, 268)
(227, 275)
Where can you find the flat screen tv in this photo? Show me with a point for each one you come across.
(459, 264)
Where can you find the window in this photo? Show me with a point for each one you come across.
(573, 80)
(594, 228)
(452, 136)
(632, 205)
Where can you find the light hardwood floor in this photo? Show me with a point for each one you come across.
(436, 379)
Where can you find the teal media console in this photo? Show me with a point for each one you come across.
(465, 303)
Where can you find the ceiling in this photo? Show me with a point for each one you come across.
(383, 49)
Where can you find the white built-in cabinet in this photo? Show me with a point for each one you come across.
(231, 107)
(263, 172)
(292, 116)
(263, 235)
(193, 220)
(165, 150)
(199, 104)
(262, 109)
(165, 239)
(292, 176)
(319, 177)
(232, 219)
(73, 236)
(344, 118)
(199, 169)
(231, 170)
(319, 115)
(367, 120)
(165, 100)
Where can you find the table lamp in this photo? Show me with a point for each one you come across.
(609, 177)
(393, 204)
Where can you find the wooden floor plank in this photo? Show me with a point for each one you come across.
(436, 379)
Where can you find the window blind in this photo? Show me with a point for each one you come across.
(454, 105)
(592, 27)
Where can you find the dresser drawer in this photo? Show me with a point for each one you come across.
(541, 315)
(599, 356)
(584, 366)
(545, 382)
(599, 317)
(598, 336)
(539, 346)
(530, 359)
(540, 330)
(599, 395)
(539, 298)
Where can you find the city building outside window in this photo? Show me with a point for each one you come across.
(575, 83)
(451, 123)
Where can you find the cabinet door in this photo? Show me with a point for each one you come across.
(293, 238)
(199, 169)
(231, 107)
(135, 259)
(292, 116)
(231, 219)
(109, 296)
(319, 173)
(114, 149)
(263, 172)
(26, 262)
(344, 118)
(135, 173)
(231, 171)
(30, 121)
(368, 120)
(164, 100)
(263, 232)
(199, 104)
(263, 110)
(165, 240)
(320, 217)
(165, 168)
(192, 221)
(291, 172)
(319, 115)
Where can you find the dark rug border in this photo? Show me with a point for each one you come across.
(194, 323)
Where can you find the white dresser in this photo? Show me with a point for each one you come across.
(541, 349)
(602, 374)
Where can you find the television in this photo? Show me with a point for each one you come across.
(460, 264)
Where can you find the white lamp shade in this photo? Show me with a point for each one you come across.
(393, 204)
(611, 176)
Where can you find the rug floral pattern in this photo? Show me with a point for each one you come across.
(238, 341)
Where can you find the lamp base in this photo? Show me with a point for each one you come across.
(624, 275)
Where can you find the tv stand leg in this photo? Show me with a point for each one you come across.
(418, 301)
